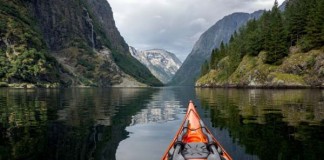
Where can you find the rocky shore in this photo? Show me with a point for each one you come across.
(298, 70)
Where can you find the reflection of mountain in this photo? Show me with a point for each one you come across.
(163, 107)
(164, 111)
(272, 124)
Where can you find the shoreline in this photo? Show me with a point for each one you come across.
(58, 86)
(260, 87)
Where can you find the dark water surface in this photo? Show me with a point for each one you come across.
(139, 123)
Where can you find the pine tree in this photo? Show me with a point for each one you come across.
(314, 29)
(222, 47)
(265, 30)
(277, 45)
(231, 39)
(213, 62)
(204, 68)
(296, 18)
(253, 39)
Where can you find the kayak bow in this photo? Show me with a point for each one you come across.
(194, 141)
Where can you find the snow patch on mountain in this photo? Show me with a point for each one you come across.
(162, 64)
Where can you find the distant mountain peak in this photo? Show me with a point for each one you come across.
(162, 64)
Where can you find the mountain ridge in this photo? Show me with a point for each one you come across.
(209, 40)
(161, 63)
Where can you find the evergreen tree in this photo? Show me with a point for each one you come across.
(277, 45)
(231, 39)
(265, 30)
(296, 19)
(301, 24)
(204, 68)
(213, 62)
(314, 29)
(222, 47)
(253, 39)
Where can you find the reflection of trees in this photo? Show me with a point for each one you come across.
(91, 122)
(22, 122)
(270, 123)
(294, 105)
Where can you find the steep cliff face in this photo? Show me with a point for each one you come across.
(161, 63)
(212, 38)
(70, 33)
(82, 36)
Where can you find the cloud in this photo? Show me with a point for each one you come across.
(174, 25)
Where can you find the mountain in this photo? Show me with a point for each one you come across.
(161, 63)
(212, 38)
(67, 43)
(282, 7)
(270, 55)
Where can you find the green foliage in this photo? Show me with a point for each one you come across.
(22, 55)
(4, 64)
(296, 19)
(301, 24)
(277, 45)
(204, 68)
(216, 56)
(253, 38)
(315, 26)
(29, 66)
(86, 63)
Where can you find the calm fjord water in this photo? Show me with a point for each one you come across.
(139, 123)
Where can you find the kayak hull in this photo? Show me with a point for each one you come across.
(195, 133)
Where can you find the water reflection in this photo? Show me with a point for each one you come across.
(270, 124)
(23, 116)
(163, 107)
(119, 123)
(153, 127)
(66, 124)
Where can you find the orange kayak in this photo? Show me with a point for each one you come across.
(194, 141)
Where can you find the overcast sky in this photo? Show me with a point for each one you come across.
(174, 25)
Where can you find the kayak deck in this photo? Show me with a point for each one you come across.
(194, 141)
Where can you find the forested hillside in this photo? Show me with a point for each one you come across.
(22, 50)
(259, 54)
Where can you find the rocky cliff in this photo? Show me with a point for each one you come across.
(161, 63)
(212, 38)
(81, 36)
(298, 70)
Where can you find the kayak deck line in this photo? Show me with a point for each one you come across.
(194, 141)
